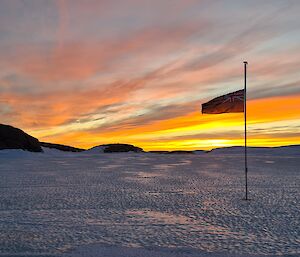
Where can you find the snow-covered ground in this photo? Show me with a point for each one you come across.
(85, 204)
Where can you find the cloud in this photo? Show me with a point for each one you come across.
(82, 60)
(140, 71)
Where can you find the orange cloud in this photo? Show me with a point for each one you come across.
(71, 61)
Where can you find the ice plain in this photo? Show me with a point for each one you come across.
(88, 204)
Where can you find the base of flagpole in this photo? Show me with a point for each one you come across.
(248, 199)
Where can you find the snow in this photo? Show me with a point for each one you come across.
(96, 149)
(142, 204)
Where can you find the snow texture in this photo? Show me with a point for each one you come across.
(141, 204)
(96, 149)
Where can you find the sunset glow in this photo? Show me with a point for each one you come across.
(85, 73)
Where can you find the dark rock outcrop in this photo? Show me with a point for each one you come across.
(116, 148)
(14, 138)
(60, 147)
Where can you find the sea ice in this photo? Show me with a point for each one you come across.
(129, 204)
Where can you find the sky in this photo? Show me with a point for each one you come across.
(90, 72)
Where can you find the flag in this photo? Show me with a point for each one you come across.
(232, 102)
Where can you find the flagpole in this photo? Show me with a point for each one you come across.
(245, 123)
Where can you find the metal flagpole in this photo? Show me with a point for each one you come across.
(245, 119)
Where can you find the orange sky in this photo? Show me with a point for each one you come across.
(135, 72)
(267, 119)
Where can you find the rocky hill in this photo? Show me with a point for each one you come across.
(14, 138)
(60, 147)
(115, 148)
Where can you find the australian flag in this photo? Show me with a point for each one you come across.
(232, 102)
